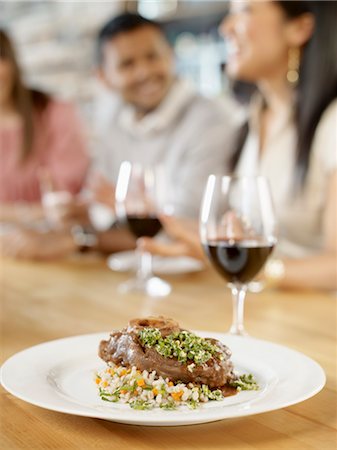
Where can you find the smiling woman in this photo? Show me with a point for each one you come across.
(257, 35)
(288, 49)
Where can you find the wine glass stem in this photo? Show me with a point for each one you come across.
(238, 296)
(145, 266)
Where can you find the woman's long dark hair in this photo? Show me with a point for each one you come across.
(317, 86)
(27, 102)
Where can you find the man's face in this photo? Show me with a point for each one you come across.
(139, 65)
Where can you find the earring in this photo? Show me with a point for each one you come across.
(293, 65)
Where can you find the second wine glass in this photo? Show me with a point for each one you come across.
(238, 233)
(140, 198)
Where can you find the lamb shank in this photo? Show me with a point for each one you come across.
(145, 344)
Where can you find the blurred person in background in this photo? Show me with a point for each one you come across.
(288, 49)
(156, 118)
(39, 135)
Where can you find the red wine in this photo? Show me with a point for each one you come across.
(144, 225)
(238, 262)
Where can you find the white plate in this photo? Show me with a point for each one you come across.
(127, 261)
(59, 375)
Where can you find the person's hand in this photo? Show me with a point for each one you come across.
(102, 190)
(30, 244)
(75, 211)
(185, 237)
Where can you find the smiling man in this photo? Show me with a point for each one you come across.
(156, 117)
(136, 61)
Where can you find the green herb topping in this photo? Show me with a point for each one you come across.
(183, 345)
(245, 383)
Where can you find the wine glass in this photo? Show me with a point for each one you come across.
(53, 201)
(140, 198)
(238, 233)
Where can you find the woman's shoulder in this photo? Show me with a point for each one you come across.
(60, 108)
(61, 115)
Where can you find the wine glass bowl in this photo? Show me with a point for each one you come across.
(238, 233)
(140, 198)
(55, 202)
(146, 225)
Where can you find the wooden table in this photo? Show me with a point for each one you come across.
(41, 302)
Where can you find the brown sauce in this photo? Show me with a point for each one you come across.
(227, 390)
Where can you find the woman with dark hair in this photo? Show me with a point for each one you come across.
(288, 49)
(37, 134)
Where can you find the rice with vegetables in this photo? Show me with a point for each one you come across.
(144, 390)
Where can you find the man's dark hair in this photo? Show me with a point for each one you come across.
(123, 23)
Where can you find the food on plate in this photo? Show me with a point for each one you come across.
(155, 363)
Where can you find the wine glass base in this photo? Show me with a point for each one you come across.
(153, 287)
(238, 331)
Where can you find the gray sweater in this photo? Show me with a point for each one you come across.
(190, 135)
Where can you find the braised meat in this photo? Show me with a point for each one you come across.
(126, 348)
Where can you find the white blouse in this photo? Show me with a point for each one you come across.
(300, 216)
